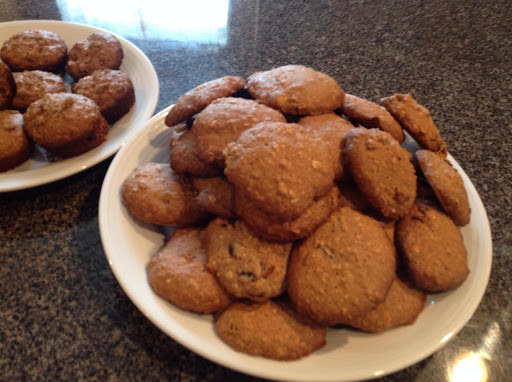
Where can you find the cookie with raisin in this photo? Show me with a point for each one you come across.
(245, 265)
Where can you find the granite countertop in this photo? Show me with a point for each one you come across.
(63, 316)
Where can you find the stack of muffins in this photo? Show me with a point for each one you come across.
(35, 107)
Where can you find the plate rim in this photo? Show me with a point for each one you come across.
(155, 123)
(27, 180)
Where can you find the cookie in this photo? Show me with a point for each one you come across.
(281, 167)
(15, 148)
(184, 157)
(33, 84)
(417, 121)
(371, 116)
(98, 51)
(343, 270)
(178, 274)
(269, 329)
(7, 86)
(264, 226)
(296, 90)
(433, 249)
(65, 124)
(402, 306)
(331, 129)
(381, 169)
(447, 185)
(112, 90)
(156, 194)
(195, 100)
(222, 122)
(246, 266)
(215, 195)
(34, 49)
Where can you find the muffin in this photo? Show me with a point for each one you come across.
(34, 50)
(7, 86)
(112, 90)
(32, 85)
(65, 124)
(98, 51)
(15, 148)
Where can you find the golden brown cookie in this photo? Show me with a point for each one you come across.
(343, 270)
(245, 265)
(222, 122)
(215, 195)
(34, 49)
(33, 84)
(178, 274)
(433, 248)
(281, 167)
(402, 306)
(296, 89)
(269, 329)
(331, 129)
(15, 148)
(112, 90)
(156, 194)
(371, 116)
(195, 100)
(417, 121)
(447, 185)
(65, 124)
(381, 169)
(184, 158)
(98, 51)
(7, 86)
(266, 227)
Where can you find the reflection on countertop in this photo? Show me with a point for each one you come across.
(153, 19)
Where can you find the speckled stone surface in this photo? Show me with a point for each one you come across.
(63, 315)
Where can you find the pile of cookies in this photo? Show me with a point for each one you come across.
(298, 208)
(34, 104)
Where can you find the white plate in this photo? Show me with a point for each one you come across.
(348, 355)
(37, 170)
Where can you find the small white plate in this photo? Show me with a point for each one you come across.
(349, 355)
(37, 170)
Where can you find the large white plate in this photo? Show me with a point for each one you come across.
(38, 170)
(348, 355)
